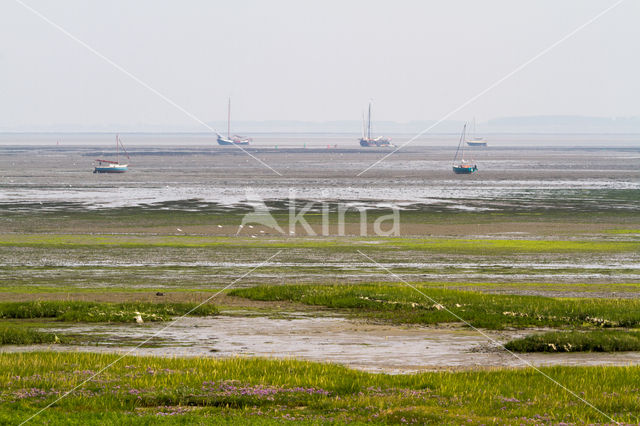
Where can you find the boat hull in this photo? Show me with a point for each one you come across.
(222, 141)
(465, 170)
(477, 143)
(373, 142)
(117, 169)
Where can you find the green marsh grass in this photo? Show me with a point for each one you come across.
(146, 390)
(346, 244)
(622, 231)
(402, 304)
(16, 335)
(101, 312)
(576, 341)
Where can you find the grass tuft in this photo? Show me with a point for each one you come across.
(576, 341)
(403, 305)
(12, 335)
(71, 311)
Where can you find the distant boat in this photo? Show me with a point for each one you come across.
(476, 141)
(107, 166)
(366, 139)
(235, 139)
(460, 166)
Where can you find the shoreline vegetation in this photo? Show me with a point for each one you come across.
(578, 341)
(151, 390)
(75, 311)
(15, 334)
(345, 244)
(401, 304)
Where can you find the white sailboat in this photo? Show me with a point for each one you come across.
(108, 166)
(235, 139)
(476, 141)
(366, 139)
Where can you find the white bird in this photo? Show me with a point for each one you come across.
(219, 226)
(138, 317)
(179, 230)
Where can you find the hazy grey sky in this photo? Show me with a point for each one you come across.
(322, 60)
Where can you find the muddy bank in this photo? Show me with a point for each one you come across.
(365, 346)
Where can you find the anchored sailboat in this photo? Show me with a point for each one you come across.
(460, 166)
(476, 141)
(366, 139)
(235, 139)
(107, 166)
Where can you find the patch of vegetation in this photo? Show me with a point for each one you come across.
(346, 244)
(102, 312)
(576, 341)
(623, 231)
(403, 304)
(151, 390)
(15, 335)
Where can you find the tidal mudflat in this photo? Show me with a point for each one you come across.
(373, 347)
(540, 244)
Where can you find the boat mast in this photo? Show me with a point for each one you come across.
(461, 144)
(369, 123)
(229, 120)
(123, 148)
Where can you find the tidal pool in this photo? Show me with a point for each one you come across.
(356, 344)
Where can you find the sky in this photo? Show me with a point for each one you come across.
(313, 61)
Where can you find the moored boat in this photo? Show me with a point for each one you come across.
(108, 166)
(465, 169)
(235, 139)
(460, 165)
(476, 141)
(366, 139)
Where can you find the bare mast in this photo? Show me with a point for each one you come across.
(369, 123)
(461, 145)
(229, 120)
(118, 144)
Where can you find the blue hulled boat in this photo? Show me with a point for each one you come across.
(460, 166)
(108, 166)
(465, 169)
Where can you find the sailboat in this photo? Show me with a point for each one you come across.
(107, 166)
(476, 141)
(235, 139)
(460, 166)
(366, 139)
